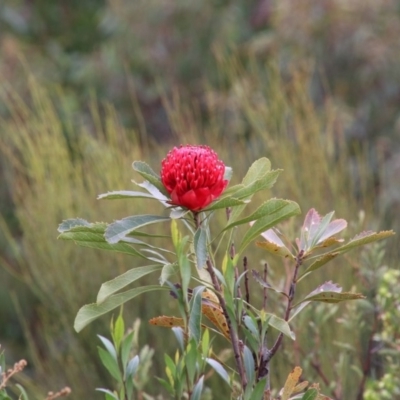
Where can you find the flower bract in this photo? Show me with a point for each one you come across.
(193, 176)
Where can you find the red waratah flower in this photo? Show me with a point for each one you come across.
(193, 176)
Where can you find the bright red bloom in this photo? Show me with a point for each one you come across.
(193, 176)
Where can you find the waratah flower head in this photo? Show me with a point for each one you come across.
(193, 176)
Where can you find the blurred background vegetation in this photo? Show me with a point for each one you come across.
(88, 86)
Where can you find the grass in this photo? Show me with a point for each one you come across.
(55, 166)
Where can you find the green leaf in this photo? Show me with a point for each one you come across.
(258, 390)
(257, 170)
(328, 292)
(68, 224)
(191, 357)
(225, 202)
(249, 366)
(109, 288)
(334, 297)
(168, 270)
(126, 348)
(268, 215)
(109, 394)
(281, 325)
(110, 363)
(311, 394)
(198, 388)
(132, 368)
(200, 247)
(118, 331)
(147, 173)
(124, 194)
(359, 240)
(219, 369)
(109, 347)
(90, 312)
(265, 181)
(92, 235)
(118, 230)
(195, 313)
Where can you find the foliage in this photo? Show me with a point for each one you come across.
(194, 261)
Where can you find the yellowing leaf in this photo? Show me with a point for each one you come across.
(291, 383)
(211, 308)
(167, 322)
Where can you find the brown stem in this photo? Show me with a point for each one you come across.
(246, 282)
(265, 290)
(299, 261)
(234, 338)
(368, 360)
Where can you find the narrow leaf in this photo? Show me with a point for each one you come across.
(200, 247)
(311, 394)
(198, 388)
(219, 369)
(110, 363)
(90, 312)
(117, 231)
(195, 313)
(249, 365)
(109, 288)
(275, 212)
(92, 236)
(124, 194)
(281, 325)
(147, 173)
(290, 383)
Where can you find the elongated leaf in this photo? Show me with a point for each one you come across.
(68, 224)
(90, 312)
(257, 170)
(311, 394)
(269, 207)
(198, 388)
(328, 292)
(219, 369)
(167, 322)
(147, 173)
(258, 390)
(274, 211)
(109, 346)
(168, 270)
(110, 363)
(334, 297)
(132, 367)
(200, 247)
(213, 311)
(124, 194)
(275, 249)
(265, 181)
(281, 325)
(92, 235)
(225, 203)
(109, 394)
(195, 313)
(359, 240)
(109, 288)
(117, 231)
(249, 365)
(290, 383)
